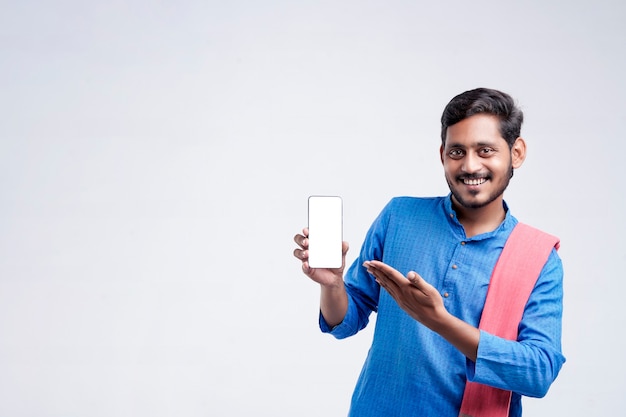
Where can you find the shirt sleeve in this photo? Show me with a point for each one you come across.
(363, 291)
(529, 365)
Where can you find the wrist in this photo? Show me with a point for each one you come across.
(442, 322)
(334, 286)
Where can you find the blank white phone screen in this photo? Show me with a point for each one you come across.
(325, 231)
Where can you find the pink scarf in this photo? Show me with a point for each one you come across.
(514, 276)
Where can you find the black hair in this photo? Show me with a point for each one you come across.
(484, 100)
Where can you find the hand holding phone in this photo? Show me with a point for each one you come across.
(325, 231)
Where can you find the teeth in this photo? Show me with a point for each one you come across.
(476, 181)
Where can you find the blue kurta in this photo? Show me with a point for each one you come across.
(412, 371)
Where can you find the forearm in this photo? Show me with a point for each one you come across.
(460, 334)
(333, 303)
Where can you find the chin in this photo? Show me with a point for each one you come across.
(474, 202)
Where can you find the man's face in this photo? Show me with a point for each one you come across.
(478, 162)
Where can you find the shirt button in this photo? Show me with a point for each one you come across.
(446, 295)
(463, 243)
(454, 267)
(452, 215)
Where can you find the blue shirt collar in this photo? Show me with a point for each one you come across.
(506, 226)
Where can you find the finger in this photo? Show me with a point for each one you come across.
(388, 285)
(391, 274)
(420, 283)
(381, 266)
(374, 270)
(303, 255)
(344, 247)
(383, 279)
(415, 279)
(369, 267)
(306, 268)
(301, 241)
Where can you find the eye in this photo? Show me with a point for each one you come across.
(486, 151)
(456, 153)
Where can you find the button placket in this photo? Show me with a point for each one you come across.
(454, 266)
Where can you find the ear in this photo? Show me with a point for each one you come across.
(441, 153)
(518, 152)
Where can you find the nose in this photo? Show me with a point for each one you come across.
(471, 163)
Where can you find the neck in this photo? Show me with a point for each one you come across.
(480, 220)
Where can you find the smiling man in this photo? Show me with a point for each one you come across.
(469, 300)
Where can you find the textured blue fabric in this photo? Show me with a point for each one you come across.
(412, 371)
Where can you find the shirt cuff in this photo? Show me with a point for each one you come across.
(344, 329)
(485, 370)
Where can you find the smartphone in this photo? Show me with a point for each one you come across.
(325, 231)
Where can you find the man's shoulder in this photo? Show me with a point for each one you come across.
(535, 235)
(530, 227)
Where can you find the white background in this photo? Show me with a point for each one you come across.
(156, 158)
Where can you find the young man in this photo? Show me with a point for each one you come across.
(425, 267)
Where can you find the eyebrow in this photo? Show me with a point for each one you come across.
(473, 145)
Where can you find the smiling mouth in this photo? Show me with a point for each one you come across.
(474, 181)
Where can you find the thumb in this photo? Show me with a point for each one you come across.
(414, 278)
